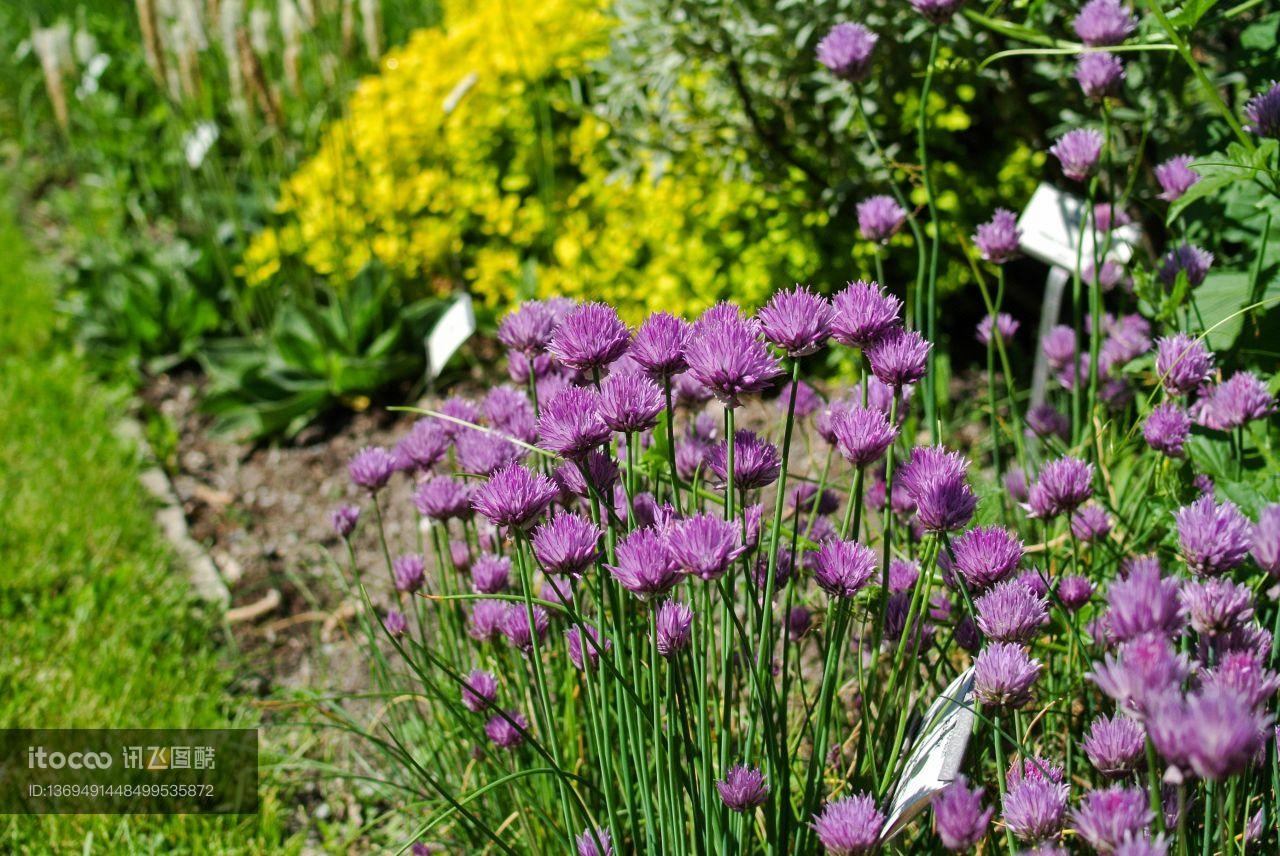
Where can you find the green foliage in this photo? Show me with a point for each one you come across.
(98, 629)
(317, 356)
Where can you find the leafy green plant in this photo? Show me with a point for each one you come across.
(316, 356)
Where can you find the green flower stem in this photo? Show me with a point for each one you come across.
(888, 523)
(901, 199)
(671, 447)
(931, 306)
(543, 708)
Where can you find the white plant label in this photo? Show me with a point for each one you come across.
(935, 759)
(1051, 231)
(448, 335)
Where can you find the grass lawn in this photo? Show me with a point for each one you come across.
(98, 629)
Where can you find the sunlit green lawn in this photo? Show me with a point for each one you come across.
(97, 628)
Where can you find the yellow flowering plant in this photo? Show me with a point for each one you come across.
(473, 160)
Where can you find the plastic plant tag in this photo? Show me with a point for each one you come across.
(1051, 231)
(455, 327)
(935, 759)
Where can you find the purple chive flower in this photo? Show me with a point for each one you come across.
(601, 472)
(443, 498)
(590, 337)
(997, 239)
(519, 366)
(843, 568)
(1099, 74)
(1142, 601)
(423, 447)
(1033, 767)
(629, 402)
(1035, 809)
(1090, 522)
(967, 635)
(485, 623)
(986, 555)
(674, 628)
(846, 50)
(1045, 421)
(1176, 177)
(395, 623)
(936, 11)
(513, 497)
(1104, 817)
(1074, 591)
(592, 649)
(1011, 613)
(480, 690)
(1102, 23)
(506, 730)
(1078, 152)
(1167, 428)
(1214, 731)
(1263, 113)
(529, 328)
(345, 519)
(864, 312)
(1034, 581)
(1005, 326)
(658, 347)
(1064, 485)
(726, 356)
(1214, 538)
(804, 498)
(756, 462)
(520, 631)
(1265, 541)
(691, 457)
(959, 816)
(408, 572)
(458, 410)
(567, 544)
(743, 788)
(491, 574)
(1216, 605)
(1003, 675)
(1235, 402)
(849, 826)
(1242, 673)
(1143, 671)
(1115, 745)
(688, 390)
(880, 218)
(808, 401)
(862, 434)
(570, 424)
(509, 412)
(1015, 483)
(371, 468)
(903, 575)
(935, 481)
(797, 321)
(645, 567)
(1188, 258)
(898, 357)
(1183, 363)
(1059, 346)
(482, 453)
(598, 844)
(705, 545)
(799, 622)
